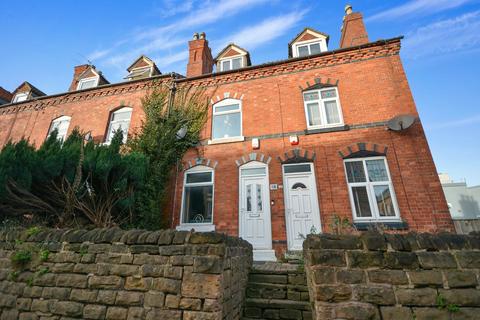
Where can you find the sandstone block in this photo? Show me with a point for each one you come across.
(67, 308)
(461, 279)
(167, 285)
(379, 295)
(105, 282)
(129, 298)
(94, 311)
(116, 313)
(388, 276)
(154, 299)
(333, 293)
(396, 313)
(426, 278)
(431, 260)
(416, 297)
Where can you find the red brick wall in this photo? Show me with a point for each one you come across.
(372, 88)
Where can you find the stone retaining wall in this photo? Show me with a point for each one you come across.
(375, 276)
(115, 274)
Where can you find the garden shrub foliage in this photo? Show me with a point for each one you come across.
(86, 183)
(165, 115)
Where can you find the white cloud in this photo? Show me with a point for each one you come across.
(472, 120)
(168, 60)
(172, 8)
(171, 36)
(417, 7)
(451, 35)
(206, 14)
(98, 54)
(265, 31)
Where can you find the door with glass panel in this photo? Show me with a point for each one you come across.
(302, 212)
(254, 217)
(371, 190)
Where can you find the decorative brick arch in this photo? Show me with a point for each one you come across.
(199, 162)
(226, 95)
(318, 83)
(297, 155)
(363, 149)
(253, 156)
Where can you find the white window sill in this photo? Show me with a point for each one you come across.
(196, 227)
(330, 126)
(226, 140)
(377, 220)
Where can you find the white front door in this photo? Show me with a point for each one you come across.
(302, 212)
(255, 223)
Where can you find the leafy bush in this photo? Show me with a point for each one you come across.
(79, 183)
(157, 138)
(74, 183)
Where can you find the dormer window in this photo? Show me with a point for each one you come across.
(143, 67)
(308, 42)
(87, 83)
(19, 97)
(308, 49)
(231, 58)
(231, 64)
(139, 73)
(26, 91)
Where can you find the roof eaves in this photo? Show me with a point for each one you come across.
(278, 62)
(174, 75)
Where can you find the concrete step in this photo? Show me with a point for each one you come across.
(277, 291)
(290, 278)
(277, 309)
(277, 304)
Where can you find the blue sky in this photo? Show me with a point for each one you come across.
(43, 40)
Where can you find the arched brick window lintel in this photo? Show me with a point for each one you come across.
(253, 156)
(297, 155)
(199, 162)
(363, 149)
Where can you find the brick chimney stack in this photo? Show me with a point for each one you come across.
(77, 71)
(353, 29)
(200, 59)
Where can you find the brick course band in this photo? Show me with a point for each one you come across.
(392, 276)
(116, 274)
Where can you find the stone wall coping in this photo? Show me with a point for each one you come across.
(164, 237)
(410, 242)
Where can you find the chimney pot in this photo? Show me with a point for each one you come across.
(195, 36)
(203, 35)
(348, 9)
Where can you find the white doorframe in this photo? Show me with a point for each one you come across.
(262, 252)
(293, 244)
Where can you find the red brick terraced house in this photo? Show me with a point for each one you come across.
(288, 145)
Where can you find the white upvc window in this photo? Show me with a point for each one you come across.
(310, 47)
(119, 120)
(140, 72)
(87, 83)
(61, 124)
(198, 199)
(322, 108)
(231, 63)
(371, 191)
(227, 121)
(19, 97)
